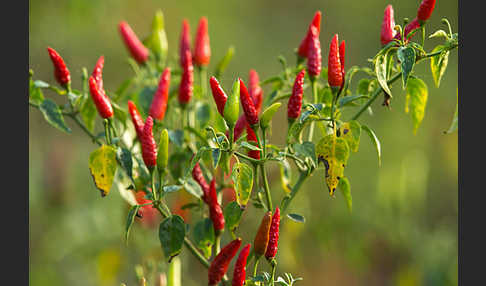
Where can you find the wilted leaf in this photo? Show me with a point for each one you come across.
(242, 176)
(416, 100)
(351, 132)
(381, 72)
(102, 165)
(375, 141)
(333, 152)
(438, 64)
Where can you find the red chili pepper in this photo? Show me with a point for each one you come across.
(215, 211)
(98, 72)
(304, 45)
(101, 101)
(342, 52)
(149, 148)
(334, 72)
(261, 239)
(61, 72)
(256, 92)
(410, 30)
(202, 50)
(220, 264)
(388, 31)
(136, 118)
(239, 127)
(251, 137)
(197, 175)
(425, 10)
(239, 273)
(159, 102)
(185, 42)
(138, 51)
(273, 236)
(248, 106)
(295, 101)
(314, 60)
(218, 94)
(187, 80)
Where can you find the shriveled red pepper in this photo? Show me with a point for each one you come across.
(334, 71)
(314, 60)
(273, 236)
(149, 147)
(219, 95)
(256, 92)
(215, 210)
(294, 105)
(202, 50)
(388, 31)
(61, 72)
(304, 45)
(425, 10)
(98, 72)
(248, 106)
(187, 80)
(101, 101)
(197, 175)
(220, 264)
(138, 51)
(261, 239)
(251, 137)
(185, 43)
(136, 118)
(161, 96)
(239, 273)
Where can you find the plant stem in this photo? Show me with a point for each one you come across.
(107, 132)
(203, 77)
(314, 96)
(85, 129)
(254, 161)
(295, 189)
(266, 187)
(217, 244)
(274, 268)
(255, 267)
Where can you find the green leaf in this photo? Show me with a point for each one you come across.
(178, 162)
(224, 62)
(232, 215)
(130, 218)
(295, 129)
(381, 72)
(203, 234)
(41, 84)
(203, 114)
(172, 231)
(345, 188)
(123, 88)
(375, 141)
(406, 56)
(172, 188)
(242, 176)
(268, 114)
(176, 137)
(325, 96)
(438, 64)
(416, 101)
(52, 113)
(306, 149)
(285, 175)
(438, 34)
(250, 146)
(36, 95)
(363, 86)
(124, 157)
(192, 187)
(296, 218)
(347, 100)
(351, 132)
(88, 113)
(199, 154)
(334, 152)
(455, 121)
(102, 165)
(216, 156)
(119, 113)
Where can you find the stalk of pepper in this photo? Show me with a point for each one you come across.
(239, 273)
(138, 51)
(101, 101)
(98, 72)
(215, 210)
(220, 264)
(136, 118)
(409, 30)
(161, 96)
(251, 137)
(334, 72)
(61, 72)
(248, 106)
(185, 43)
(388, 31)
(261, 239)
(187, 80)
(304, 45)
(273, 236)
(149, 148)
(197, 175)
(219, 95)
(256, 92)
(295, 101)
(425, 10)
(314, 60)
(202, 50)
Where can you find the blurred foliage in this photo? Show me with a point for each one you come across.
(403, 228)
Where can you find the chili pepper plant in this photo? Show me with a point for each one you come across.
(172, 127)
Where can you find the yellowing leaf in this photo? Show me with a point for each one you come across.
(351, 132)
(416, 100)
(333, 152)
(102, 165)
(242, 176)
(438, 64)
(285, 175)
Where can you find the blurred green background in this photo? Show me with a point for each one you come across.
(403, 229)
